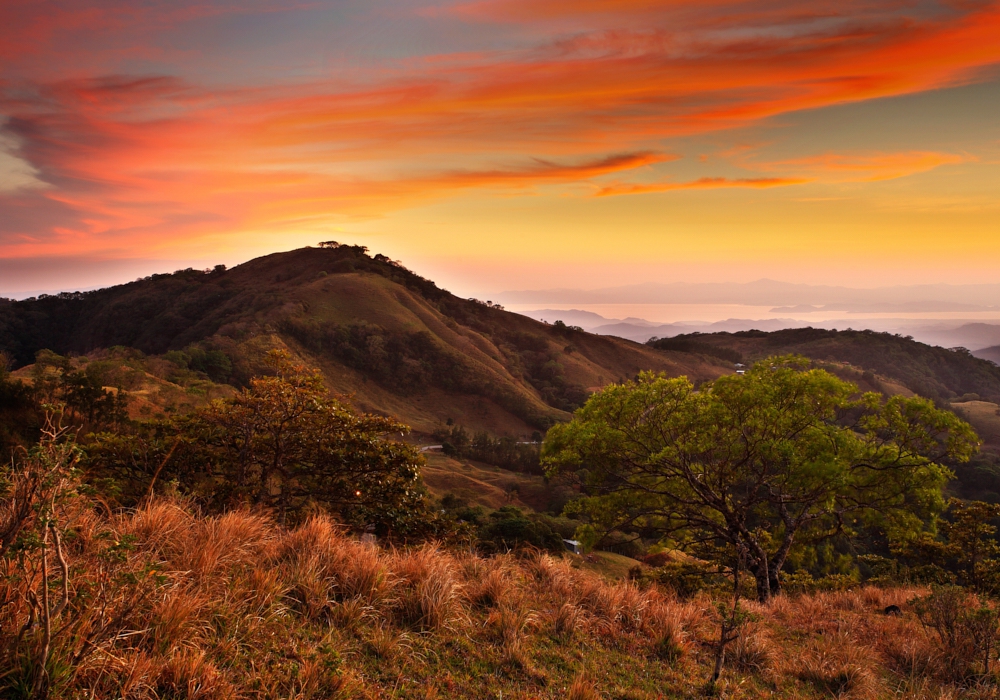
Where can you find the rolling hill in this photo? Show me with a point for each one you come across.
(868, 356)
(392, 340)
(991, 354)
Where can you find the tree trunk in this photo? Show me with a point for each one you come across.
(773, 583)
(720, 658)
(763, 586)
(762, 575)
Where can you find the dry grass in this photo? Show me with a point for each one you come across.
(235, 606)
(754, 650)
(582, 689)
(511, 624)
(836, 665)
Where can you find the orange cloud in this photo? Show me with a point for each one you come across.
(543, 171)
(867, 167)
(154, 160)
(704, 183)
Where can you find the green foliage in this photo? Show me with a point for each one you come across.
(783, 455)
(405, 362)
(979, 478)
(510, 528)
(20, 416)
(686, 578)
(506, 452)
(282, 443)
(213, 362)
(82, 392)
(964, 551)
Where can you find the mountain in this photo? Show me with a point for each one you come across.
(991, 354)
(764, 292)
(641, 333)
(641, 330)
(948, 334)
(390, 339)
(927, 370)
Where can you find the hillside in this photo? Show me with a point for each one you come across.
(239, 607)
(991, 354)
(930, 371)
(389, 338)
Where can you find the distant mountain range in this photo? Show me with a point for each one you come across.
(923, 298)
(976, 336)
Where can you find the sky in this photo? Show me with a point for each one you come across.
(504, 144)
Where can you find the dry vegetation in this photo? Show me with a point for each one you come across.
(984, 417)
(162, 602)
(483, 484)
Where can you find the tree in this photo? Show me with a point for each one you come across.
(965, 550)
(756, 463)
(282, 443)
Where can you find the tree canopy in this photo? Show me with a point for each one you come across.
(282, 443)
(748, 466)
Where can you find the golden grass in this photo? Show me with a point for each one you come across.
(984, 417)
(244, 608)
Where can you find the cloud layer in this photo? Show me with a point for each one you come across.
(116, 141)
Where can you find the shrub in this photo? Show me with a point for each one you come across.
(967, 629)
(510, 528)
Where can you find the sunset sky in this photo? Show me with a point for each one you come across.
(504, 144)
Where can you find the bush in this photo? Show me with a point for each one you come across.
(967, 628)
(686, 578)
(509, 528)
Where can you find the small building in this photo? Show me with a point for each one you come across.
(572, 546)
(740, 368)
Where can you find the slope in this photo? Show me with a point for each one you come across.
(391, 339)
(930, 371)
(991, 354)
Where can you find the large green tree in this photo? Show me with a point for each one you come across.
(756, 463)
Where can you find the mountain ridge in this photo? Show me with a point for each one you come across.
(392, 340)
(763, 292)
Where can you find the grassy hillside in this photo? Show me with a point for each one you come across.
(394, 341)
(235, 606)
(985, 418)
(155, 387)
(930, 371)
(483, 484)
